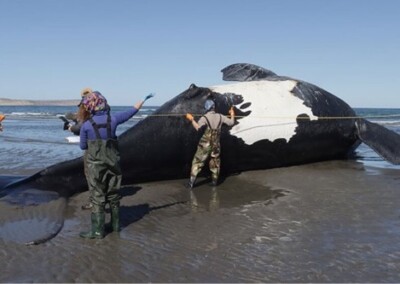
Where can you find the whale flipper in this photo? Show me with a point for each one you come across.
(382, 140)
(37, 216)
(245, 72)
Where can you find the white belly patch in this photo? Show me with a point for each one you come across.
(273, 107)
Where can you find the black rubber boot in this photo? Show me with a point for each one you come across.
(115, 219)
(191, 182)
(97, 230)
(214, 180)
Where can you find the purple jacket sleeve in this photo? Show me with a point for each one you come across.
(121, 117)
(83, 137)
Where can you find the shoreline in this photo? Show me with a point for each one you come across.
(13, 102)
(335, 221)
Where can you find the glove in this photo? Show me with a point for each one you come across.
(189, 116)
(232, 112)
(67, 125)
(148, 96)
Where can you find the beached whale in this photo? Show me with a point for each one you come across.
(280, 122)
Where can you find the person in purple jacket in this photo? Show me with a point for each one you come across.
(98, 137)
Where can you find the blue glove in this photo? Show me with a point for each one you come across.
(148, 97)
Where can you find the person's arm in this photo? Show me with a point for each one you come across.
(83, 138)
(122, 117)
(196, 125)
(139, 104)
(229, 121)
(76, 128)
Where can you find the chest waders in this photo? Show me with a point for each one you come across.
(209, 146)
(87, 205)
(104, 179)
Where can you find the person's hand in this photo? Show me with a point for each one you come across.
(189, 116)
(232, 112)
(67, 126)
(148, 96)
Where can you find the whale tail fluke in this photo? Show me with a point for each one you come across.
(382, 140)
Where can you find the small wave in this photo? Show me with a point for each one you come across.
(387, 122)
(29, 115)
(151, 110)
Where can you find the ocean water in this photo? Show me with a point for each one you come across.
(33, 136)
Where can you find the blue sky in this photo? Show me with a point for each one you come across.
(51, 49)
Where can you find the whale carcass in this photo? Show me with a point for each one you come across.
(280, 122)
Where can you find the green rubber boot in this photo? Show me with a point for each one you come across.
(97, 231)
(115, 219)
(191, 182)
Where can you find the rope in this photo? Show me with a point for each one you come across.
(285, 117)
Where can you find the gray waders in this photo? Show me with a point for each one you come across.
(104, 180)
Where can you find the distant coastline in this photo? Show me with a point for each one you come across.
(12, 102)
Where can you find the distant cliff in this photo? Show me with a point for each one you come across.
(11, 102)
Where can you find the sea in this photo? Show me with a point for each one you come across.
(33, 136)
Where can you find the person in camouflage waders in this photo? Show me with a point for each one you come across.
(209, 144)
(98, 138)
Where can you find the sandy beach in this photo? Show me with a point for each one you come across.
(327, 222)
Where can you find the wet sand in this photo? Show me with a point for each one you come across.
(327, 222)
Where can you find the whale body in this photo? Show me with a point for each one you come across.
(280, 122)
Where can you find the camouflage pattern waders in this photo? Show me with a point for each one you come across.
(209, 145)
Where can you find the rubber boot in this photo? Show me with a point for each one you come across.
(191, 182)
(115, 219)
(97, 231)
(214, 180)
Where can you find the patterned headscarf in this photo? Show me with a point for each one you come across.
(95, 102)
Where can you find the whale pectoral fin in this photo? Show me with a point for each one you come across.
(31, 216)
(382, 140)
(245, 72)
